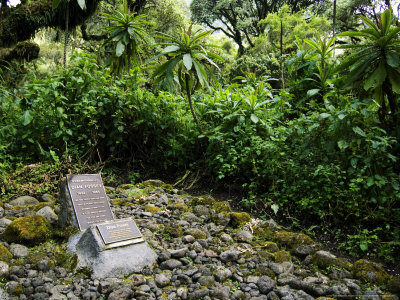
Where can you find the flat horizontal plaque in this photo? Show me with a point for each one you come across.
(89, 199)
(119, 231)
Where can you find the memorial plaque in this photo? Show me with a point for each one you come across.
(119, 231)
(89, 199)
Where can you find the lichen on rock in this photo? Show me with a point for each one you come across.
(238, 219)
(31, 230)
(370, 271)
(291, 240)
(5, 254)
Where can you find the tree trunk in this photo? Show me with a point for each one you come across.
(334, 25)
(281, 42)
(66, 35)
(189, 95)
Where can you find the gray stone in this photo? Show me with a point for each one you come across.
(1, 212)
(188, 239)
(41, 296)
(222, 274)
(370, 295)
(13, 287)
(4, 269)
(179, 253)
(206, 280)
(48, 198)
(24, 200)
(163, 256)
(238, 295)
(191, 218)
(285, 267)
(226, 238)
(44, 265)
(162, 280)
(301, 295)
(4, 222)
(198, 294)
(272, 296)
(201, 210)
(18, 250)
(170, 264)
(339, 290)
(4, 295)
(265, 284)
(48, 213)
(182, 293)
(303, 250)
(111, 262)
(229, 255)
(221, 292)
(244, 236)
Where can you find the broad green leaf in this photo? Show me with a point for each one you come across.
(171, 48)
(254, 118)
(27, 117)
(341, 116)
(325, 115)
(82, 4)
(188, 61)
(359, 131)
(275, 208)
(56, 3)
(312, 92)
(119, 49)
(376, 78)
(363, 246)
(394, 77)
(392, 59)
(342, 144)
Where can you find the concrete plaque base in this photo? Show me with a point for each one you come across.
(109, 262)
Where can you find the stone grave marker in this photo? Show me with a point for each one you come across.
(111, 248)
(83, 201)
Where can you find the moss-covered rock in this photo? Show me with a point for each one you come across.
(238, 219)
(124, 187)
(5, 254)
(263, 231)
(282, 256)
(394, 285)
(152, 209)
(152, 183)
(291, 240)
(325, 298)
(270, 247)
(178, 206)
(173, 231)
(370, 271)
(40, 205)
(30, 230)
(222, 207)
(202, 200)
(196, 233)
(324, 259)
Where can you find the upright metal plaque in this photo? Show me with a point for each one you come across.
(89, 199)
(119, 231)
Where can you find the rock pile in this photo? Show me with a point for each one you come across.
(205, 251)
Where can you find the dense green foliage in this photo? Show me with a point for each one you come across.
(288, 128)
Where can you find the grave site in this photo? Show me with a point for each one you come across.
(153, 241)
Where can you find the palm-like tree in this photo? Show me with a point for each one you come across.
(127, 31)
(55, 4)
(188, 60)
(376, 61)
